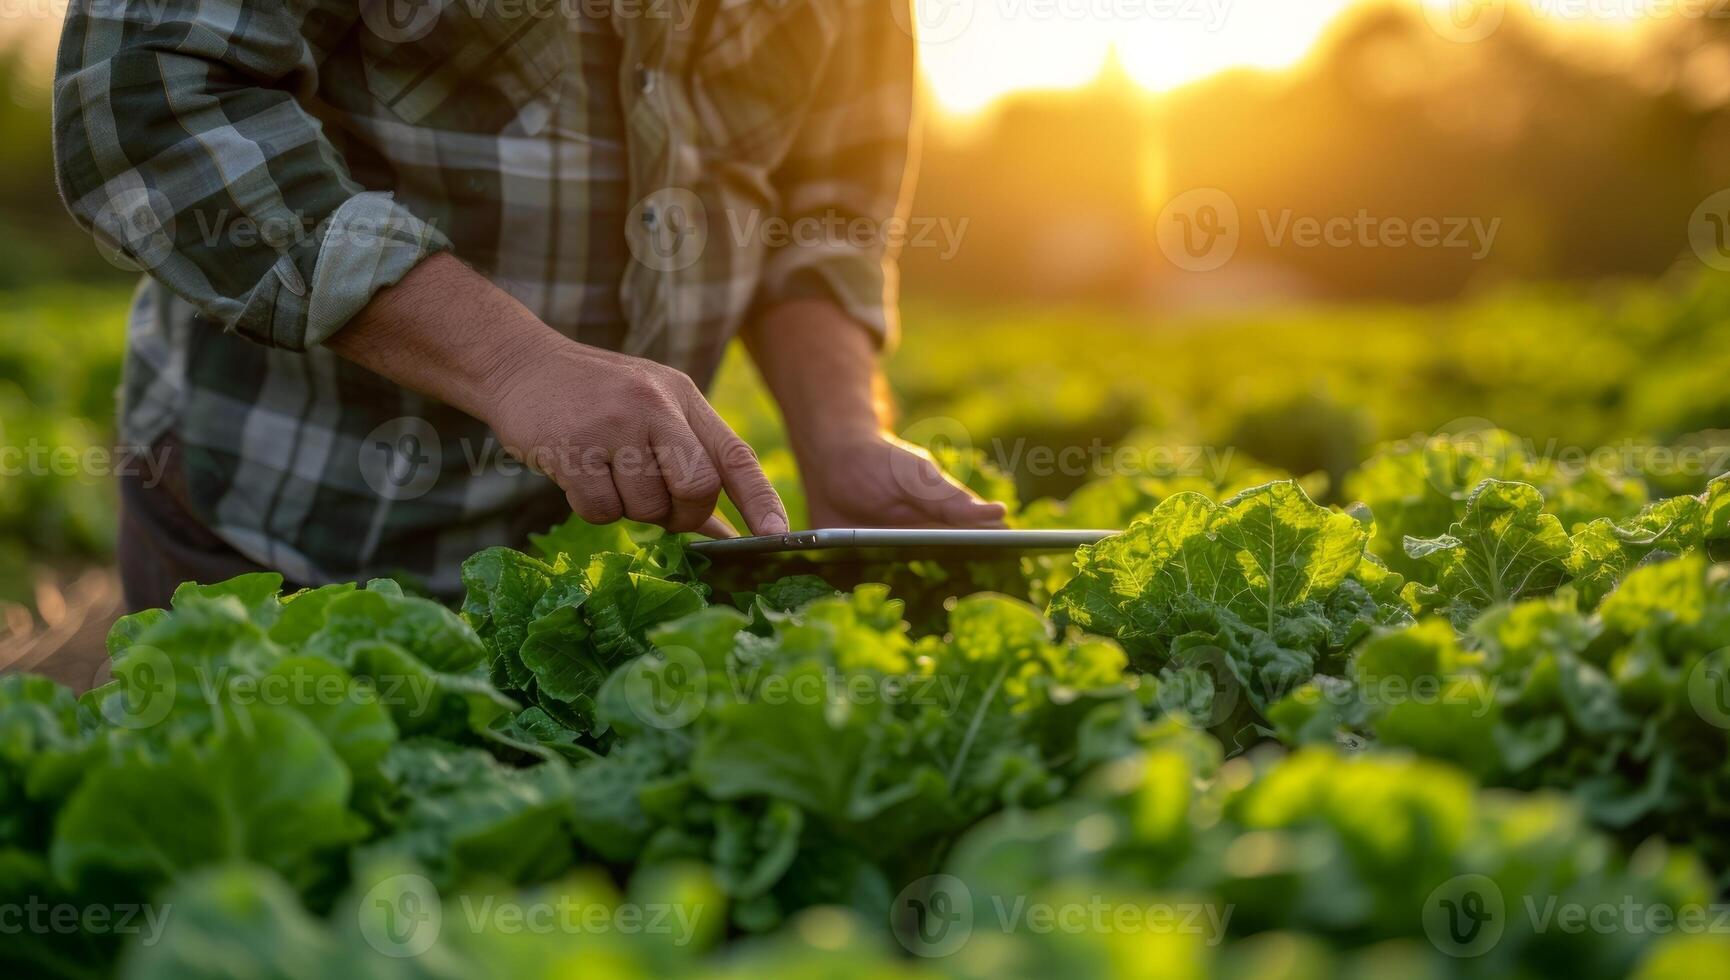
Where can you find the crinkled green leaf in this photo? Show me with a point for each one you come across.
(265, 787)
(1504, 548)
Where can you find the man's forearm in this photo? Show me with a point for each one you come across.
(447, 332)
(822, 368)
(623, 437)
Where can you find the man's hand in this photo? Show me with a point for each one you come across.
(622, 436)
(822, 369)
(882, 481)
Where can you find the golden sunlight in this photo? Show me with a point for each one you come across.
(976, 51)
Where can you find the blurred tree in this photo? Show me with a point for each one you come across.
(1586, 165)
(38, 241)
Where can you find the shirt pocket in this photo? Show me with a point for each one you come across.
(479, 68)
(758, 72)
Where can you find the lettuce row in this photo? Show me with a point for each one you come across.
(293, 734)
(828, 757)
(1317, 856)
(1627, 708)
(1314, 865)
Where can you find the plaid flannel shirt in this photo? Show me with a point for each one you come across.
(616, 165)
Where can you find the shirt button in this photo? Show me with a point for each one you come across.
(645, 78)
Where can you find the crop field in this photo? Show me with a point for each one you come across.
(1411, 658)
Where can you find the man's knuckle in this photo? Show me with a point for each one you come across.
(600, 513)
(650, 509)
(615, 423)
(645, 391)
(633, 461)
(702, 484)
(595, 510)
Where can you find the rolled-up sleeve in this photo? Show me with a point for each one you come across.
(181, 146)
(848, 171)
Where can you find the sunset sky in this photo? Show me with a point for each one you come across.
(975, 51)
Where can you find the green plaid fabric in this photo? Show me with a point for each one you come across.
(613, 164)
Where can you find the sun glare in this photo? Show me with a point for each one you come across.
(976, 51)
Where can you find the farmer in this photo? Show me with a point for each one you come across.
(394, 246)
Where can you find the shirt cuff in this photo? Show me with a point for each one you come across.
(862, 285)
(366, 244)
